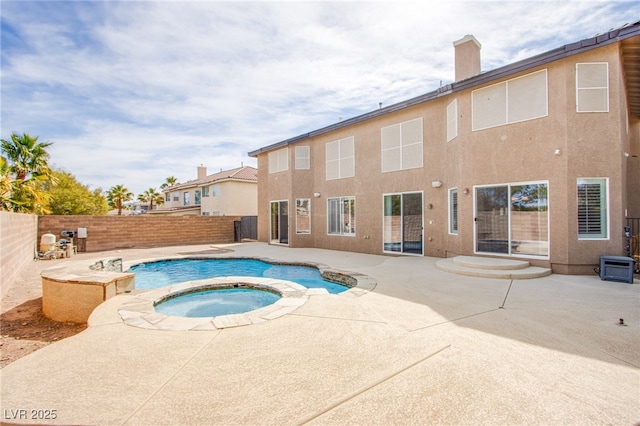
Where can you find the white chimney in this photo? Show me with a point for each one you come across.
(202, 172)
(467, 53)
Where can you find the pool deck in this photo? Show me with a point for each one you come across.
(423, 346)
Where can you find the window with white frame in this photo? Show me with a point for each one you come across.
(206, 214)
(167, 197)
(205, 191)
(303, 157)
(519, 99)
(593, 221)
(215, 191)
(340, 156)
(453, 211)
(303, 216)
(401, 146)
(452, 120)
(592, 87)
(279, 160)
(341, 216)
(185, 198)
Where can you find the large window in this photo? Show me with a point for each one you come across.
(453, 211)
(452, 120)
(197, 197)
(279, 160)
(341, 159)
(205, 191)
(186, 198)
(593, 222)
(402, 146)
(592, 87)
(303, 216)
(341, 216)
(519, 99)
(303, 157)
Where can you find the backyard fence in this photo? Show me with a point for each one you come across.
(117, 232)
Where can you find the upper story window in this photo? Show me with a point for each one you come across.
(186, 198)
(167, 196)
(176, 196)
(402, 146)
(279, 160)
(519, 99)
(197, 197)
(341, 159)
(452, 120)
(592, 87)
(303, 158)
(205, 191)
(215, 190)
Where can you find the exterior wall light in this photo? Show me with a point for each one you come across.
(316, 194)
(436, 184)
(557, 152)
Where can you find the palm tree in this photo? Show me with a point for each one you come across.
(117, 195)
(7, 186)
(169, 182)
(25, 174)
(151, 196)
(27, 156)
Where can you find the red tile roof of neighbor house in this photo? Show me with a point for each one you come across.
(246, 173)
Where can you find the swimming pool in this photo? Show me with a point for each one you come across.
(157, 274)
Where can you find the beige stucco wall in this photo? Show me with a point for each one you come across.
(18, 243)
(591, 145)
(235, 198)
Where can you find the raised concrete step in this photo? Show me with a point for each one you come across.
(486, 267)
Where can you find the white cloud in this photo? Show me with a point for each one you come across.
(132, 92)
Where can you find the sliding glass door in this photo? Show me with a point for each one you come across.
(512, 219)
(402, 223)
(280, 222)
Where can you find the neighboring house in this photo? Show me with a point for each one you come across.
(226, 193)
(535, 160)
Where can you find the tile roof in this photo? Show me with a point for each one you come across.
(246, 173)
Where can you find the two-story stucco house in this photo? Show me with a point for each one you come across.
(226, 193)
(535, 160)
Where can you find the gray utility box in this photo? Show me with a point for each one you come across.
(616, 268)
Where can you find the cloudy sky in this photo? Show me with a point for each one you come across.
(131, 92)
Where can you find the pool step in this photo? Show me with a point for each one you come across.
(486, 267)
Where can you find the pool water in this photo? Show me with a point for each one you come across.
(211, 303)
(159, 274)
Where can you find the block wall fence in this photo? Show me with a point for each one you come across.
(18, 237)
(118, 232)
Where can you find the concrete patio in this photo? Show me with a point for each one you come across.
(423, 347)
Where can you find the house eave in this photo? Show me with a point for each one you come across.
(612, 36)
